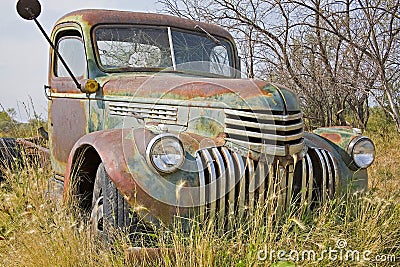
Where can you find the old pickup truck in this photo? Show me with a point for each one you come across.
(148, 115)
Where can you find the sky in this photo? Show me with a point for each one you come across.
(24, 51)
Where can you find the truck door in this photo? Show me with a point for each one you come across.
(68, 105)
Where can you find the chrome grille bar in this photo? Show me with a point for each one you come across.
(303, 188)
(274, 137)
(281, 180)
(221, 189)
(261, 116)
(230, 180)
(274, 127)
(212, 184)
(242, 183)
(336, 174)
(202, 187)
(290, 175)
(329, 173)
(252, 184)
(323, 167)
(272, 134)
(310, 179)
(262, 178)
(231, 184)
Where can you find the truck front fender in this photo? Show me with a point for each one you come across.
(114, 148)
(349, 175)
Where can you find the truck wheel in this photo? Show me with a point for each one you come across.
(110, 211)
(8, 154)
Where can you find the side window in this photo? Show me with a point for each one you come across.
(72, 50)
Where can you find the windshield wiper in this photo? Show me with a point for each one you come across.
(218, 42)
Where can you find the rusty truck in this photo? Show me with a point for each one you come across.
(148, 114)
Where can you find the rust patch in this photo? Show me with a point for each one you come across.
(184, 87)
(65, 84)
(193, 142)
(68, 123)
(334, 137)
(115, 152)
(200, 89)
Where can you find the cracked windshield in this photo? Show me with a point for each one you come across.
(133, 48)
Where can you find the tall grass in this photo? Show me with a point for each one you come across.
(37, 231)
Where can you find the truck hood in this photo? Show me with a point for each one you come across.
(245, 94)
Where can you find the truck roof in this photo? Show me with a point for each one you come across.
(93, 17)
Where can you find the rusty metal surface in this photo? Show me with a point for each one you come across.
(67, 123)
(234, 93)
(339, 135)
(344, 167)
(112, 147)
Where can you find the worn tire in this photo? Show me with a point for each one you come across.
(9, 154)
(110, 211)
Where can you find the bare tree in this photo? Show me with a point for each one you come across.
(335, 54)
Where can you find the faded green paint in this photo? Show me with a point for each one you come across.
(340, 136)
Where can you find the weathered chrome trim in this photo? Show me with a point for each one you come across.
(330, 178)
(336, 171)
(269, 149)
(261, 116)
(221, 189)
(211, 197)
(252, 184)
(262, 126)
(202, 187)
(242, 183)
(282, 187)
(290, 175)
(148, 111)
(150, 147)
(273, 137)
(265, 129)
(310, 178)
(246, 186)
(231, 181)
(303, 181)
(323, 174)
(262, 181)
(352, 144)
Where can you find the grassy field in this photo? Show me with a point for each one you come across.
(35, 231)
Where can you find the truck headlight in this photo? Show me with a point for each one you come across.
(165, 153)
(362, 150)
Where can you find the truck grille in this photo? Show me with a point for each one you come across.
(144, 111)
(232, 185)
(269, 132)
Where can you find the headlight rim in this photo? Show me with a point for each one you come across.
(153, 142)
(352, 145)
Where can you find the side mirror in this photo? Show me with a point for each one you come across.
(29, 9)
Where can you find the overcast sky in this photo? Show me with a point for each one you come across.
(24, 51)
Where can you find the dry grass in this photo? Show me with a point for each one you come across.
(35, 231)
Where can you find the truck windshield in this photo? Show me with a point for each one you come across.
(128, 48)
